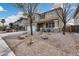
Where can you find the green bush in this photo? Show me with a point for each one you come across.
(2, 28)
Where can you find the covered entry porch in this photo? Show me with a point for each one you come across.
(47, 25)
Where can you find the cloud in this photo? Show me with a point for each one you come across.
(2, 9)
(13, 18)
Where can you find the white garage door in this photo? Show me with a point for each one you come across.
(33, 27)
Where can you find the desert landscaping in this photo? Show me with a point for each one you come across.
(44, 44)
(39, 29)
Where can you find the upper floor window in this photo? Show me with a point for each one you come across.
(50, 13)
(36, 17)
(42, 16)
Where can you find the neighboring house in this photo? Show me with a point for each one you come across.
(21, 23)
(47, 21)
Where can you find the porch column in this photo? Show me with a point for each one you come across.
(55, 23)
(44, 25)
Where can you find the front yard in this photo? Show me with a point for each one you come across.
(56, 44)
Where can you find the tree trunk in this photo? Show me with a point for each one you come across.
(31, 30)
(64, 29)
(64, 21)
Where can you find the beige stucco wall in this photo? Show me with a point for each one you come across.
(61, 24)
(55, 15)
(58, 24)
(50, 14)
(37, 17)
(23, 23)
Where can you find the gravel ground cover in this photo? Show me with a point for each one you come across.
(56, 44)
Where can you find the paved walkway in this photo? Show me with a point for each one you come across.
(12, 33)
(4, 49)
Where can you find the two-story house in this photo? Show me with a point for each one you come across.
(47, 21)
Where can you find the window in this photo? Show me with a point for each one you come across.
(50, 13)
(42, 16)
(50, 24)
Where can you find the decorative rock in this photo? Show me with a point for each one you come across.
(44, 37)
(22, 37)
(31, 40)
(30, 43)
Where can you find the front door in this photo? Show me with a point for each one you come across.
(39, 25)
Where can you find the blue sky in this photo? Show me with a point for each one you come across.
(9, 11)
(9, 8)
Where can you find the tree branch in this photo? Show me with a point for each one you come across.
(59, 15)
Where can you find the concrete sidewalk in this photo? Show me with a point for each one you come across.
(12, 33)
(4, 49)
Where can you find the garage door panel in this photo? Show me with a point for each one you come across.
(33, 27)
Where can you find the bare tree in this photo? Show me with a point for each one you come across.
(29, 9)
(77, 11)
(66, 13)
